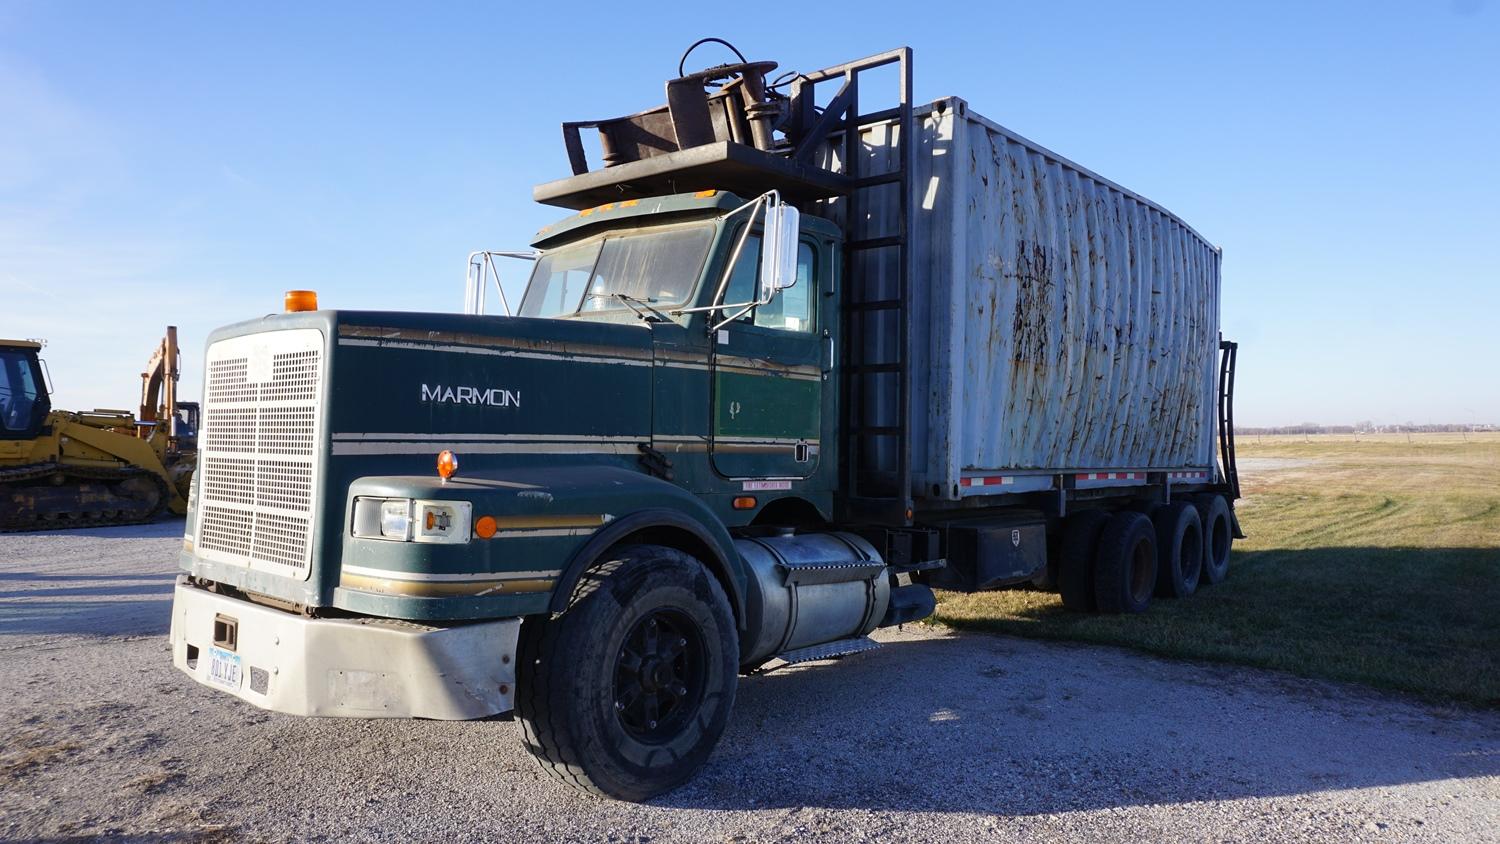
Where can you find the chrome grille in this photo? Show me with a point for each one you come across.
(258, 468)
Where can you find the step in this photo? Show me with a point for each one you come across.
(829, 650)
(813, 572)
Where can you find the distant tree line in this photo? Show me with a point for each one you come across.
(1366, 428)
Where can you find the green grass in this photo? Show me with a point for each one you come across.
(1374, 560)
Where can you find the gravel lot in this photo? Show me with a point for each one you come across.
(934, 737)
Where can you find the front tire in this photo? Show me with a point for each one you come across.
(626, 693)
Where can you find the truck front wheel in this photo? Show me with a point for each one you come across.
(626, 693)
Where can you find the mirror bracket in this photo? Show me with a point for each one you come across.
(778, 257)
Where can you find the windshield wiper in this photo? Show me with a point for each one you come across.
(631, 302)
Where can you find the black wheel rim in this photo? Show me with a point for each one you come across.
(659, 675)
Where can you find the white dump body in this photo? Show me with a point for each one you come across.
(1060, 323)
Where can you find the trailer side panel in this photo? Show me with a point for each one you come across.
(1068, 324)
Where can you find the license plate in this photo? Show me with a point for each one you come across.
(225, 669)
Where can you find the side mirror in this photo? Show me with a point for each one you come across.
(778, 259)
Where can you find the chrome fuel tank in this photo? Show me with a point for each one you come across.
(809, 589)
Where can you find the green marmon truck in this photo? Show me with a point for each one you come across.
(792, 364)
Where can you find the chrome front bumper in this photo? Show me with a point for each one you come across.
(361, 668)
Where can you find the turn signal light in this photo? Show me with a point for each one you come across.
(486, 527)
(745, 503)
(301, 300)
(447, 464)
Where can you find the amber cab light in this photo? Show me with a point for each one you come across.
(301, 300)
(447, 464)
(746, 502)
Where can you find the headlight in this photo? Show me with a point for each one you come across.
(395, 519)
(406, 520)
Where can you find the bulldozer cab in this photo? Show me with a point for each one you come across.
(186, 425)
(23, 390)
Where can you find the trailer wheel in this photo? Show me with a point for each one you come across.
(1218, 536)
(1125, 568)
(1179, 549)
(626, 693)
(1075, 564)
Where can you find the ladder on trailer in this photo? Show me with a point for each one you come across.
(875, 390)
(1228, 351)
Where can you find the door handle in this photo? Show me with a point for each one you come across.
(827, 352)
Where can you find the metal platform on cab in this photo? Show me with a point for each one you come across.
(722, 165)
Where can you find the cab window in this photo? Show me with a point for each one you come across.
(18, 391)
(791, 309)
(559, 281)
(654, 265)
(659, 266)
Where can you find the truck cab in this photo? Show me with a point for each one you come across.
(660, 388)
(740, 388)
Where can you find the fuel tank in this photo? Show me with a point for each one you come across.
(810, 588)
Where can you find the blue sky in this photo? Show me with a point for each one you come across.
(187, 163)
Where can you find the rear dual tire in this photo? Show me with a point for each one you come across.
(1218, 536)
(1078, 550)
(1179, 544)
(1107, 562)
(1125, 568)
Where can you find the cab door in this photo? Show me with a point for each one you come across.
(768, 374)
(24, 404)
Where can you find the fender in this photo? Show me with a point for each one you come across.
(632, 500)
(728, 568)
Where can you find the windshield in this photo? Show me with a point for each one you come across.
(18, 390)
(658, 266)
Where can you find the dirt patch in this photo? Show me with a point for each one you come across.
(1255, 465)
(31, 749)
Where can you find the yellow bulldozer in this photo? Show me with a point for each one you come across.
(61, 469)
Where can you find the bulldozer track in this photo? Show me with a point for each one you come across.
(17, 475)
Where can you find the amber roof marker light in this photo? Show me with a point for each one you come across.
(301, 300)
(447, 464)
